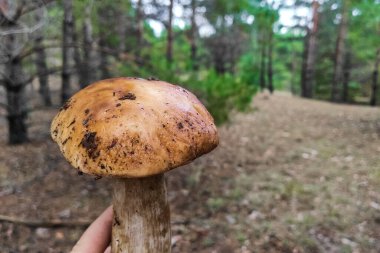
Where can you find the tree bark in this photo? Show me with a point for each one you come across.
(42, 67)
(121, 30)
(15, 91)
(193, 36)
(262, 64)
(79, 68)
(346, 77)
(140, 27)
(67, 49)
(270, 59)
(339, 54)
(89, 68)
(141, 216)
(104, 72)
(375, 77)
(310, 50)
(169, 49)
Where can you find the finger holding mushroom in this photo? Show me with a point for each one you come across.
(134, 130)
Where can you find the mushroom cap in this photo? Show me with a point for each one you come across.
(131, 127)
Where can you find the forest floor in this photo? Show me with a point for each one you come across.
(290, 175)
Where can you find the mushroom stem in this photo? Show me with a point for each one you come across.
(141, 216)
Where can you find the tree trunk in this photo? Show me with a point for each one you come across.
(339, 53)
(193, 36)
(293, 73)
(140, 28)
(104, 72)
(78, 60)
(121, 30)
(310, 50)
(42, 68)
(141, 216)
(262, 64)
(270, 59)
(67, 49)
(15, 91)
(169, 49)
(346, 77)
(89, 68)
(375, 76)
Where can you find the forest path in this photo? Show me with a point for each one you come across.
(290, 175)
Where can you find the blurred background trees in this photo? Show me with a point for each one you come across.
(222, 50)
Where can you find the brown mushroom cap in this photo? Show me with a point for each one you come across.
(130, 127)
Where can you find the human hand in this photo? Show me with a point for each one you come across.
(97, 237)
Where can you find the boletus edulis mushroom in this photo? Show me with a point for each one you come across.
(134, 130)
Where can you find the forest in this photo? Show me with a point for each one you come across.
(293, 86)
(224, 51)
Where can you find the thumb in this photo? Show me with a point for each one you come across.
(97, 237)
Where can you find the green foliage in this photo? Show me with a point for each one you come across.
(221, 93)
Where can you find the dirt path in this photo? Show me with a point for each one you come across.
(291, 175)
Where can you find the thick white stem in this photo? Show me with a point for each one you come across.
(141, 216)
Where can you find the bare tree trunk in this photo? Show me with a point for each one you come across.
(78, 59)
(270, 59)
(346, 77)
(193, 35)
(339, 53)
(262, 64)
(89, 69)
(121, 30)
(67, 50)
(375, 76)
(169, 49)
(104, 72)
(15, 90)
(305, 55)
(140, 27)
(310, 48)
(293, 73)
(42, 68)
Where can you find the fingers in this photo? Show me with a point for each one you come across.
(97, 237)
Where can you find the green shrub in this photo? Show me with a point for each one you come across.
(221, 93)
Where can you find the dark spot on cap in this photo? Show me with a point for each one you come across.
(179, 125)
(85, 122)
(86, 111)
(64, 142)
(152, 78)
(118, 104)
(102, 166)
(129, 96)
(113, 143)
(90, 143)
(72, 122)
(66, 105)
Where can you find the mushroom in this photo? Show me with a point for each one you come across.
(134, 130)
